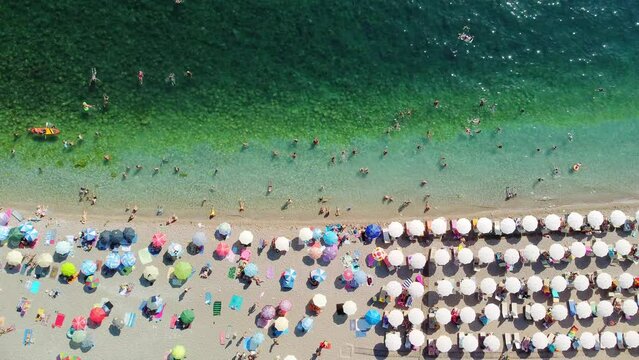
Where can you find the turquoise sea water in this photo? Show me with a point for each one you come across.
(267, 72)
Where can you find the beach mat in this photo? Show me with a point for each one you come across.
(129, 319)
(232, 272)
(28, 337)
(270, 272)
(35, 287)
(59, 320)
(145, 256)
(217, 308)
(236, 302)
(173, 321)
(208, 298)
(50, 237)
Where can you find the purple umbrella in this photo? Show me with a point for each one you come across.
(268, 312)
(330, 253)
(285, 305)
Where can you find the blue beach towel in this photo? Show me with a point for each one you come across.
(35, 287)
(236, 302)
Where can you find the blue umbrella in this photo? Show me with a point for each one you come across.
(360, 277)
(290, 274)
(90, 234)
(127, 259)
(4, 233)
(373, 317)
(330, 238)
(112, 261)
(318, 275)
(250, 270)
(317, 233)
(373, 231)
(31, 235)
(224, 229)
(307, 323)
(88, 267)
(116, 238)
(255, 341)
(26, 227)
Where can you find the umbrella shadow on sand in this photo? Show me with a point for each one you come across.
(113, 330)
(144, 282)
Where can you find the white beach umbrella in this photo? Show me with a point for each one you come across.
(507, 226)
(486, 255)
(623, 247)
(537, 311)
(416, 316)
(488, 286)
(444, 288)
(600, 248)
(581, 283)
(512, 284)
(305, 234)
(417, 261)
(439, 226)
(604, 281)
(14, 257)
(416, 337)
(491, 311)
(583, 310)
(557, 251)
(470, 343)
(63, 247)
(416, 289)
(415, 228)
(464, 226)
(626, 281)
(492, 343)
(559, 283)
(349, 307)
(484, 225)
(246, 237)
(539, 340)
(608, 340)
(534, 283)
(443, 316)
(575, 220)
(587, 340)
(319, 300)
(396, 257)
(442, 257)
(282, 243)
(395, 317)
(45, 260)
(467, 315)
(511, 256)
(559, 312)
(632, 339)
(467, 286)
(531, 252)
(529, 223)
(578, 249)
(280, 324)
(604, 308)
(595, 219)
(151, 273)
(393, 288)
(444, 343)
(393, 341)
(629, 307)
(553, 222)
(562, 342)
(617, 218)
(465, 256)
(395, 229)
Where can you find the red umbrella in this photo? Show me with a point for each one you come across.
(158, 240)
(97, 314)
(347, 275)
(79, 323)
(222, 249)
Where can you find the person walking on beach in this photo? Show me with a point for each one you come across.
(140, 77)
(93, 80)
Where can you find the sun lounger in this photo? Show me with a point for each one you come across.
(572, 308)
(517, 341)
(572, 333)
(555, 296)
(497, 228)
(386, 236)
(527, 315)
(514, 313)
(593, 307)
(504, 311)
(483, 319)
(508, 341)
(620, 342)
(460, 340)
(173, 321)
(481, 338)
(217, 308)
(54, 271)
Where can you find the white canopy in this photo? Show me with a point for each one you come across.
(600, 248)
(492, 343)
(559, 312)
(444, 343)
(531, 252)
(465, 256)
(604, 281)
(442, 257)
(14, 257)
(488, 286)
(417, 261)
(439, 226)
(529, 223)
(280, 324)
(617, 218)
(282, 243)
(415, 228)
(486, 255)
(575, 220)
(578, 249)
(557, 251)
(305, 234)
(492, 312)
(464, 226)
(608, 340)
(396, 257)
(416, 337)
(595, 219)
(632, 339)
(416, 289)
(484, 225)
(443, 316)
(562, 342)
(581, 283)
(604, 308)
(395, 317)
(587, 340)
(540, 340)
(45, 260)
(507, 226)
(394, 288)
(537, 311)
(626, 281)
(416, 316)
(583, 310)
(511, 256)
(629, 307)
(534, 283)
(393, 341)
(467, 286)
(444, 288)
(559, 283)
(467, 315)
(396, 229)
(246, 237)
(513, 285)
(470, 343)
(319, 300)
(623, 247)
(349, 307)
(552, 222)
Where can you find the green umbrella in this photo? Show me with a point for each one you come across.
(182, 270)
(187, 317)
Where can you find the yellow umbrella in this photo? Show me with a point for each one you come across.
(178, 352)
(45, 260)
(14, 257)
(68, 269)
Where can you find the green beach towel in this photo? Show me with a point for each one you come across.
(232, 272)
(217, 308)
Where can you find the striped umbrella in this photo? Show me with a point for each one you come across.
(88, 267)
(79, 323)
(31, 235)
(26, 227)
(92, 282)
(158, 240)
(127, 259)
(318, 275)
(112, 261)
(289, 274)
(90, 234)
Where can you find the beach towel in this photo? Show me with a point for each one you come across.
(169, 272)
(145, 256)
(217, 308)
(353, 325)
(359, 334)
(222, 338)
(232, 272)
(207, 298)
(142, 305)
(59, 321)
(35, 287)
(28, 337)
(236, 302)
(158, 316)
(129, 319)
(270, 272)
(50, 237)
(23, 269)
(173, 321)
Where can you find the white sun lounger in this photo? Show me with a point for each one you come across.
(508, 341)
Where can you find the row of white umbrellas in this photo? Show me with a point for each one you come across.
(415, 289)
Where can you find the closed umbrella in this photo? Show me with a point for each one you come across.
(442, 257)
(88, 267)
(553, 222)
(608, 340)
(604, 281)
(537, 311)
(467, 286)
(595, 219)
(629, 307)
(488, 286)
(486, 255)
(63, 247)
(539, 340)
(443, 316)
(467, 315)
(562, 342)
(268, 312)
(14, 257)
(175, 250)
(415, 228)
(246, 237)
(199, 239)
(282, 243)
(78, 336)
(557, 251)
(484, 225)
(439, 226)
(507, 226)
(372, 317)
(395, 229)
(416, 337)
(626, 281)
(578, 249)
(187, 317)
(183, 270)
(45, 260)
(281, 323)
(491, 311)
(315, 251)
(151, 273)
(318, 275)
(632, 339)
(417, 261)
(600, 248)
(395, 318)
(250, 270)
(223, 249)
(465, 256)
(349, 307)
(463, 226)
(444, 288)
(158, 240)
(372, 232)
(396, 257)
(534, 283)
(470, 343)
(416, 316)
(604, 308)
(329, 253)
(330, 238)
(531, 252)
(379, 254)
(393, 288)
(559, 312)
(224, 229)
(68, 269)
(492, 343)
(444, 343)
(511, 256)
(529, 223)
(319, 300)
(581, 282)
(623, 247)
(393, 341)
(575, 220)
(617, 218)
(584, 310)
(305, 234)
(178, 352)
(416, 289)
(512, 284)
(587, 340)
(127, 259)
(558, 283)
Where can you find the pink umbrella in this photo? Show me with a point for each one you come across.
(222, 249)
(268, 312)
(245, 255)
(315, 252)
(283, 307)
(79, 323)
(347, 275)
(158, 240)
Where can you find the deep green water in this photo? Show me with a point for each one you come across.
(265, 72)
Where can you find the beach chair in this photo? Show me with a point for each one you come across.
(593, 307)
(572, 333)
(527, 315)
(496, 228)
(460, 340)
(386, 236)
(217, 308)
(572, 308)
(481, 338)
(555, 296)
(516, 341)
(620, 342)
(504, 311)
(508, 341)
(514, 312)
